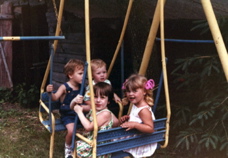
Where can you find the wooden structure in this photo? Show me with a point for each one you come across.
(6, 46)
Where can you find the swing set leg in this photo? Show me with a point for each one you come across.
(51, 145)
(75, 154)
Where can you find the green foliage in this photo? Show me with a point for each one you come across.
(203, 25)
(5, 95)
(26, 96)
(201, 116)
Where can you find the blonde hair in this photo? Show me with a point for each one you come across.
(134, 82)
(97, 63)
(71, 65)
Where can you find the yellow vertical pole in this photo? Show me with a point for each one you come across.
(164, 73)
(57, 33)
(88, 58)
(121, 36)
(150, 41)
(218, 40)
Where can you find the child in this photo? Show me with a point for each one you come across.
(99, 74)
(138, 91)
(65, 93)
(102, 96)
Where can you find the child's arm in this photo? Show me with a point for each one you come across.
(56, 96)
(124, 118)
(77, 100)
(147, 126)
(116, 98)
(116, 122)
(102, 118)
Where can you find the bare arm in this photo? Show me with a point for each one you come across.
(102, 118)
(116, 98)
(116, 122)
(59, 93)
(77, 100)
(147, 126)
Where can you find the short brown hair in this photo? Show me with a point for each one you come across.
(103, 88)
(71, 65)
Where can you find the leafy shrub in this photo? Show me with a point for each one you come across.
(201, 116)
(26, 96)
(5, 95)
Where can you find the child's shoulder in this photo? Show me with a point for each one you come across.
(104, 112)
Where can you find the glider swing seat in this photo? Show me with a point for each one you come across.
(115, 140)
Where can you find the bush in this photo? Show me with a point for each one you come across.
(201, 116)
(26, 96)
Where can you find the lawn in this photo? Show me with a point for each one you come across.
(23, 136)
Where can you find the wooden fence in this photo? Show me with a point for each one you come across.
(6, 46)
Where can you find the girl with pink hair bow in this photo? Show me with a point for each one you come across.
(138, 90)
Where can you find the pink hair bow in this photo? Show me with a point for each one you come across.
(123, 86)
(150, 84)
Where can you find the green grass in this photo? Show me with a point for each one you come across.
(23, 136)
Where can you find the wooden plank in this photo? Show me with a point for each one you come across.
(6, 30)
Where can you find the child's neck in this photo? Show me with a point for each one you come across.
(73, 85)
(141, 103)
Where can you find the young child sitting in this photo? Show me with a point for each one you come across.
(99, 74)
(138, 90)
(102, 96)
(66, 93)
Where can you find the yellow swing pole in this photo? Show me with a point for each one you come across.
(150, 41)
(164, 73)
(57, 33)
(121, 36)
(88, 58)
(218, 40)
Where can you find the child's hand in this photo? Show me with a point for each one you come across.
(124, 118)
(78, 99)
(128, 125)
(78, 108)
(49, 88)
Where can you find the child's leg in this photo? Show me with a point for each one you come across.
(70, 128)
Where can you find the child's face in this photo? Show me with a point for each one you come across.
(136, 96)
(77, 76)
(101, 102)
(99, 74)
